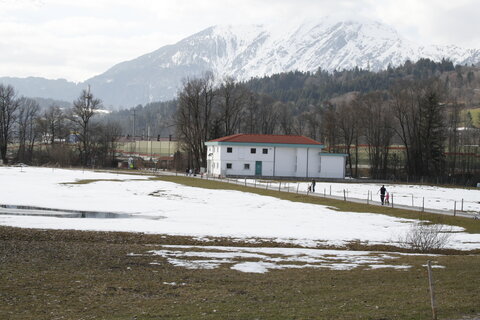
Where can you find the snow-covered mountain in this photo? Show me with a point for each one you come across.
(250, 51)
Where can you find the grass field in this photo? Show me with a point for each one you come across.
(53, 274)
(475, 116)
(88, 275)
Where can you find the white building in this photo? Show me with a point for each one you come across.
(272, 156)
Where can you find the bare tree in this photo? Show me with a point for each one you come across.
(348, 126)
(378, 130)
(104, 139)
(266, 115)
(83, 110)
(250, 119)
(232, 98)
(330, 126)
(27, 129)
(300, 124)
(453, 134)
(8, 115)
(194, 115)
(53, 124)
(420, 121)
(285, 117)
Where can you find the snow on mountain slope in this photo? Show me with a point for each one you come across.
(250, 51)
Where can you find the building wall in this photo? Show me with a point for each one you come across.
(289, 161)
(332, 166)
(286, 162)
(238, 158)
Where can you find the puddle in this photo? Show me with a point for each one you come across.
(15, 210)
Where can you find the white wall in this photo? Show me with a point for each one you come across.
(289, 162)
(314, 163)
(240, 156)
(332, 166)
(285, 162)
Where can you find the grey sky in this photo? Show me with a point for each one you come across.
(76, 40)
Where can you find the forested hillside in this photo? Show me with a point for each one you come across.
(417, 121)
(423, 110)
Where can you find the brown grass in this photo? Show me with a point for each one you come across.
(90, 275)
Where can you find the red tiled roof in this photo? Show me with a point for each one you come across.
(266, 138)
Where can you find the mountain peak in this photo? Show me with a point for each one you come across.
(246, 51)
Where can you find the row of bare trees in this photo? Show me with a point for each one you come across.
(207, 111)
(421, 118)
(415, 116)
(54, 135)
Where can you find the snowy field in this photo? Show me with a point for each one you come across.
(403, 194)
(167, 208)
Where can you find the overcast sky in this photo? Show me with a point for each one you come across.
(76, 40)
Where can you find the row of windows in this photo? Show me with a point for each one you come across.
(246, 166)
(252, 150)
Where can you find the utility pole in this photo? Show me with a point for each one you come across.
(133, 124)
(134, 143)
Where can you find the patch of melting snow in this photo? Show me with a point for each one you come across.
(263, 259)
(390, 266)
(174, 283)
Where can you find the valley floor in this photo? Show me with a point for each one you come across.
(156, 249)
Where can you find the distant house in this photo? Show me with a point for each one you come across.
(272, 156)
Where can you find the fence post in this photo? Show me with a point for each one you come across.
(279, 185)
(245, 182)
(324, 192)
(368, 196)
(392, 199)
(330, 189)
(423, 204)
(254, 183)
(454, 208)
(462, 205)
(412, 200)
(298, 185)
(266, 188)
(432, 290)
(344, 196)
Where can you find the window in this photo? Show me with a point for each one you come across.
(265, 151)
(229, 149)
(253, 150)
(229, 166)
(246, 166)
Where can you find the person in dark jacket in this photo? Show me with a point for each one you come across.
(382, 194)
(313, 185)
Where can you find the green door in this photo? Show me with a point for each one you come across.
(258, 168)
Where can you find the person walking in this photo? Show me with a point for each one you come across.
(382, 194)
(313, 185)
(387, 198)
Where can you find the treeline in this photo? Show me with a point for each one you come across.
(313, 88)
(155, 119)
(418, 107)
(55, 135)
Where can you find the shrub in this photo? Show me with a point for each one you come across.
(426, 237)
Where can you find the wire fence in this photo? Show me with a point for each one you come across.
(331, 191)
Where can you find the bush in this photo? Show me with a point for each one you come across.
(426, 237)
